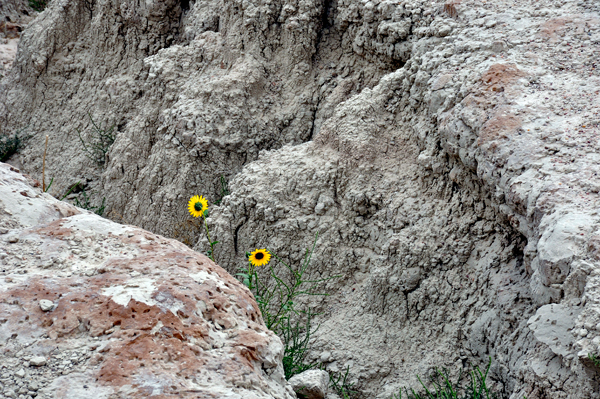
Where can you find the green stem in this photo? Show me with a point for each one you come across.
(212, 250)
(251, 276)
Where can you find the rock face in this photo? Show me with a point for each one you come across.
(93, 309)
(447, 153)
(14, 17)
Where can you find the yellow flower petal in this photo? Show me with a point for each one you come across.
(197, 205)
(260, 257)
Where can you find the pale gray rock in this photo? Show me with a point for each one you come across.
(37, 361)
(552, 325)
(46, 305)
(310, 384)
(557, 247)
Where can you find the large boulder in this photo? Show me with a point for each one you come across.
(93, 309)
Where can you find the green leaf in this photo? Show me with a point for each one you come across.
(214, 242)
(206, 213)
(49, 185)
(245, 278)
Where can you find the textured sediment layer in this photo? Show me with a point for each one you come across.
(447, 153)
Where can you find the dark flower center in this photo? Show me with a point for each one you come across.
(198, 206)
(259, 256)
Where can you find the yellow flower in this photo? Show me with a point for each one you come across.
(260, 257)
(197, 205)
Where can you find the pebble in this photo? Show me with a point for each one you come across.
(46, 305)
(13, 239)
(325, 357)
(38, 361)
(20, 373)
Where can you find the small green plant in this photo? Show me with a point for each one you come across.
(98, 142)
(38, 5)
(340, 384)
(49, 185)
(9, 145)
(296, 337)
(277, 299)
(86, 204)
(442, 387)
(595, 359)
(224, 190)
(198, 206)
(70, 190)
(83, 200)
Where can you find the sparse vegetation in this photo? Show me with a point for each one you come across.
(98, 142)
(70, 190)
(296, 337)
(38, 5)
(198, 206)
(224, 190)
(340, 384)
(276, 292)
(9, 145)
(595, 359)
(83, 201)
(277, 297)
(441, 387)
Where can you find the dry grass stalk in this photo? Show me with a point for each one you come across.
(450, 8)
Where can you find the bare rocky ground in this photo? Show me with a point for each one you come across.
(447, 153)
(93, 309)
